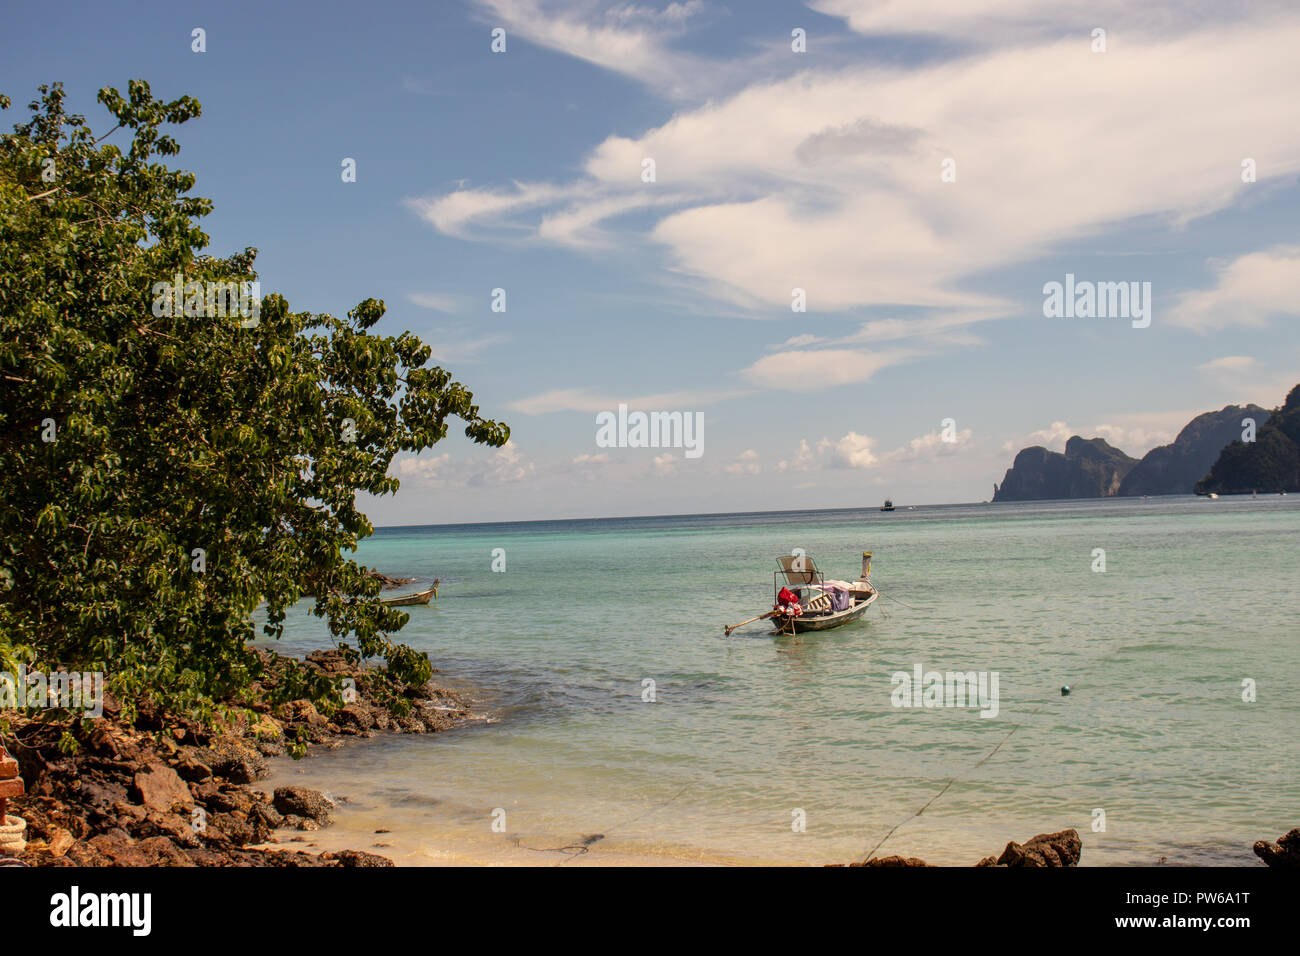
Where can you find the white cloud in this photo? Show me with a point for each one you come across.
(625, 38)
(1054, 437)
(434, 300)
(837, 189)
(453, 213)
(1005, 22)
(851, 451)
(458, 349)
(859, 452)
(804, 459)
(665, 464)
(810, 370)
(746, 463)
(586, 400)
(500, 466)
(930, 446)
(1132, 433)
(423, 469)
(1231, 363)
(1136, 441)
(1247, 291)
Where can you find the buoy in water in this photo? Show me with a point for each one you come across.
(1065, 691)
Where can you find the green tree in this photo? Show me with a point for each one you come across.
(133, 443)
(1270, 463)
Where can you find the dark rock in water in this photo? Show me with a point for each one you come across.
(1090, 468)
(1174, 469)
(303, 802)
(356, 717)
(1046, 849)
(1285, 853)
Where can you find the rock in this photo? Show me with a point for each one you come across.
(1174, 469)
(1285, 853)
(890, 861)
(386, 581)
(236, 761)
(1090, 468)
(300, 823)
(355, 716)
(303, 802)
(1045, 849)
(356, 858)
(191, 768)
(159, 788)
(60, 841)
(1270, 463)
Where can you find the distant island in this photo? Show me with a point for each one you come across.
(1208, 456)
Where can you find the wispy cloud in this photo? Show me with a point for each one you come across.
(837, 190)
(815, 369)
(1247, 291)
(434, 300)
(454, 348)
(588, 400)
(631, 39)
(502, 466)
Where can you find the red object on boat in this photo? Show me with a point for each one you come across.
(786, 596)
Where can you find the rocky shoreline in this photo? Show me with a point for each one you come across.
(165, 791)
(1065, 848)
(157, 790)
(1044, 850)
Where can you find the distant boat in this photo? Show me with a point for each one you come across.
(888, 506)
(1212, 496)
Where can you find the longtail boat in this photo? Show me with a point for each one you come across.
(418, 597)
(819, 604)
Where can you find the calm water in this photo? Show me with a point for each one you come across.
(1197, 595)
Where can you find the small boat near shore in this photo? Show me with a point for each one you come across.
(417, 597)
(887, 506)
(804, 600)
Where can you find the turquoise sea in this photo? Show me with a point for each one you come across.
(746, 731)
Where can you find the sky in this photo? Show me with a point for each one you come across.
(657, 188)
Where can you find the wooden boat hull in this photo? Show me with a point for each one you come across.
(421, 597)
(824, 622)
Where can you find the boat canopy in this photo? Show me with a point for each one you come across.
(798, 570)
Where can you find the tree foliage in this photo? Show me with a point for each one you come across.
(183, 431)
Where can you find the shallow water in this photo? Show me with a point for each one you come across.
(747, 730)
